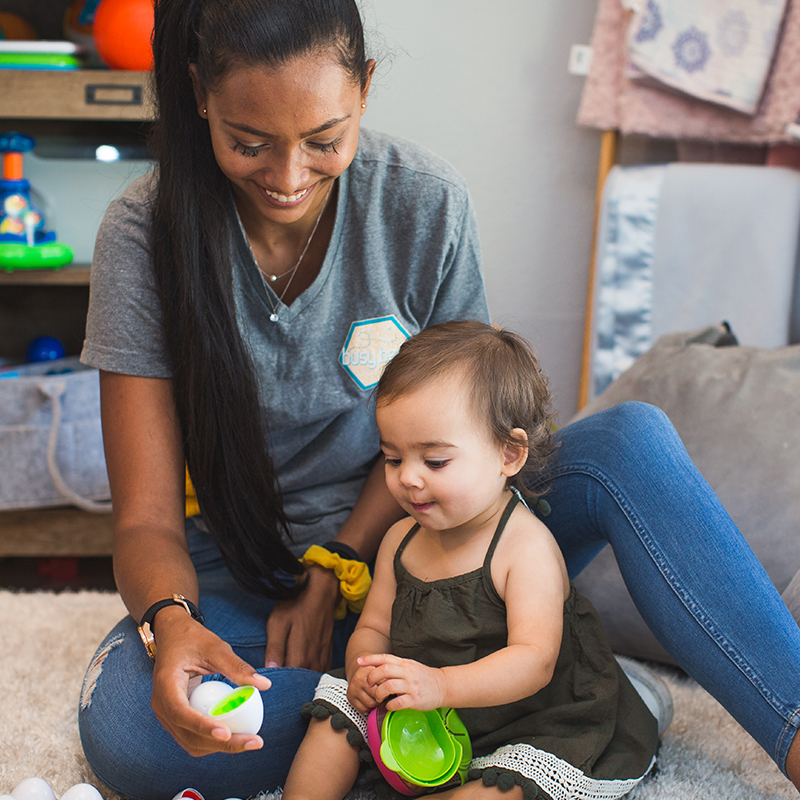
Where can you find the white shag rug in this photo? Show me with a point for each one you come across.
(46, 641)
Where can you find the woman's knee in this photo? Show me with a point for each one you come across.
(117, 660)
(631, 435)
(632, 419)
(114, 709)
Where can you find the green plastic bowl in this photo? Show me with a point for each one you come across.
(425, 748)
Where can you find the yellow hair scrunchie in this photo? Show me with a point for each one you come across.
(354, 578)
(192, 506)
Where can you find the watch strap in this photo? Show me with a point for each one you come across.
(343, 550)
(146, 625)
(176, 600)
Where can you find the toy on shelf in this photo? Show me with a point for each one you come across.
(21, 54)
(44, 348)
(78, 29)
(20, 47)
(418, 751)
(24, 241)
(123, 30)
(13, 26)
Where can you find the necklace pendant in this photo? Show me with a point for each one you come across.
(273, 317)
(272, 278)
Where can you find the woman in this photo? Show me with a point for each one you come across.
(244, 299)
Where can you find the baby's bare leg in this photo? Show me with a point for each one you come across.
(475, 790)
(325, 767)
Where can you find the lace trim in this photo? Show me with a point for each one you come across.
(334, 691)
(558, 778)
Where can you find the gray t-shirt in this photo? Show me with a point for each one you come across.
(404, 254)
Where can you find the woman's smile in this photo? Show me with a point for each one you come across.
(281, 200)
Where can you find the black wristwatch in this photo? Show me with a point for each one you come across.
(146, 625)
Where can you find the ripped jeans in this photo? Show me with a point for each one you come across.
(621, 477)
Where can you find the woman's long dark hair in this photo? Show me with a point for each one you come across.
(223, 425)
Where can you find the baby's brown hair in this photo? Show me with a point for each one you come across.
(502, 374)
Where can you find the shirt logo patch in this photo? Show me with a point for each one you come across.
(370, 345)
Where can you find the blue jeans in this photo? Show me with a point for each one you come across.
(621, 477)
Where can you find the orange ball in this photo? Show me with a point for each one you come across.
(13, 26)
(123, 30)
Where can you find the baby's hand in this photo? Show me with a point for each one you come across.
(408, 683)
(360, 692)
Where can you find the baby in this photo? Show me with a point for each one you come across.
(471, 606)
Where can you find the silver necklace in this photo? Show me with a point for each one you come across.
(271, 277)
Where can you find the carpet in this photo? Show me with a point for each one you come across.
(48, 639)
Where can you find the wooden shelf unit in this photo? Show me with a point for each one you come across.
(70, 275)
(55, 532)
(85, 94)
(56, 97)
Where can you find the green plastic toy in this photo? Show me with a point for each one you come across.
(419, 750)
(39, 61)
(24, 242)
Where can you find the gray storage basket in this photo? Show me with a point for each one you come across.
(51, 441)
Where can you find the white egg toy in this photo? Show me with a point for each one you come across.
(208, 694)
(82, 791)
(33, 789)
(240, 710)
(6, 797)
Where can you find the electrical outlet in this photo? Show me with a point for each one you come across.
(580, 59)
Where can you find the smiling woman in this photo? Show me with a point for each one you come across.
(231, 293)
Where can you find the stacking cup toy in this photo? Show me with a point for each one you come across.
(419, 750)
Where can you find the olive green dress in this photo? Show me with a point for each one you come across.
(587, 734)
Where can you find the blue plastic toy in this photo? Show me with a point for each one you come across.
(24, 241)
(44, 348)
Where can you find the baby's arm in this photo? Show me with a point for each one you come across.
(372, 631)
(324, 748)
(529, 574)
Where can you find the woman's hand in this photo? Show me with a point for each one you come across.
(409, 683)
(300, 631)
(186, 649)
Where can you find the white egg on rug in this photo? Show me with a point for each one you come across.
(82, 791)
(33, 789)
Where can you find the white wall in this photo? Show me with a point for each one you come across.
(485, 85)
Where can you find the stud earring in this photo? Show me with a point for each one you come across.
(363, 105)
(205, 112)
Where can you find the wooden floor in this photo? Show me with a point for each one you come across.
(55, 532)
(55, 549)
